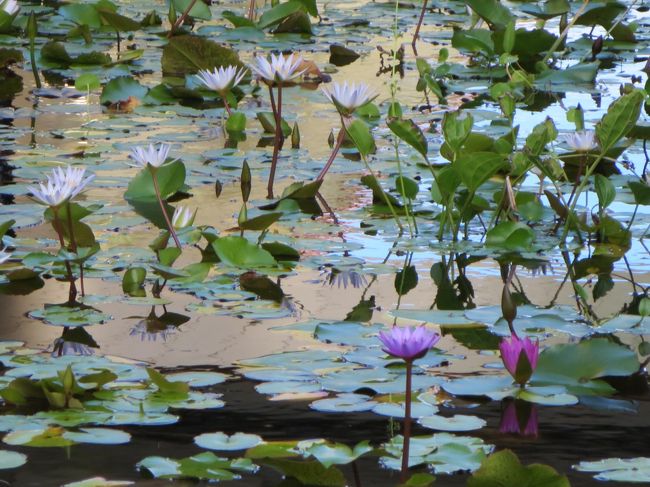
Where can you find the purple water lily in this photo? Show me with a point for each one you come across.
(520, 357)
(408, 343)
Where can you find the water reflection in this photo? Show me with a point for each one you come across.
(519, 418)
(155, 327)
(74, 341)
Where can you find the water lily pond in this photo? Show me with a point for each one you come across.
(295, 242)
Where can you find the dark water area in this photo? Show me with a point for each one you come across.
(566, 436)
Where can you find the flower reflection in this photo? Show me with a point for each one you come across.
(519, 418)
(343, 277)
(74, 341)
(153, 327)
(62, 347)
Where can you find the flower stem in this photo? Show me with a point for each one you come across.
(417, 28)
(73, 245)
(225, 103)
(386, 198)
(337, 146)
(251, 10)
(162, 208)
(181, 19)
(407, 423)
(279, 138)
(56, 223)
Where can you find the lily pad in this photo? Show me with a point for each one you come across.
(223, 442)
(459, 422)
(11, 459)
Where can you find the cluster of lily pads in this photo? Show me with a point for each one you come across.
(475, 176)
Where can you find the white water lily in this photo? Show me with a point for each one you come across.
(73, 178)
(152, 156)
(349, 97)
(11, 7)
(221, 79)
(279, 69)
(183, 217)
(61, 186)
(582, 141)
(4, 256)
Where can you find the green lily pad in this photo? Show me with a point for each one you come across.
(99, 436)
(618, 469)
(504, 468)
(458, 422)
(578, 366)
(239, 252)
(336, 454)
(223, 442)
(197, 379)
(11, 459)
(344, 403)
(99, 482)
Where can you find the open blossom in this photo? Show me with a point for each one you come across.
(183, 217)
(582, 141)
(221, 79)
(61, 186)
(4, 256)
(349, 97)
(10, 6)
(279, 69)
(152, 156)
(408, 343)
(519, 357)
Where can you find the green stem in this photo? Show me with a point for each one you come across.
(386, 198)
(565, 32)
(581, 187)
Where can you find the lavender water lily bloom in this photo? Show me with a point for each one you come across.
(152, 156)
(221, 79)
(582, 141)
(11, 7)
(347, 98)
(279, 69)
(519, 357)
(4, 256)
(408, 343)
(183, 217)
(61, 186)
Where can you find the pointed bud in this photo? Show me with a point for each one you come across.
(295, 136)
(508, 306)
(597, 46)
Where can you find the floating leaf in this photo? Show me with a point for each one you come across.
(223, 442)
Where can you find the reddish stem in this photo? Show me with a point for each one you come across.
(407, 423)
(56, 223)
(279, 137)
(417, 28)
(337, 146)
(164, 211)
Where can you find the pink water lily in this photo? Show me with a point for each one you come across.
(519, 357)
(408, 343)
